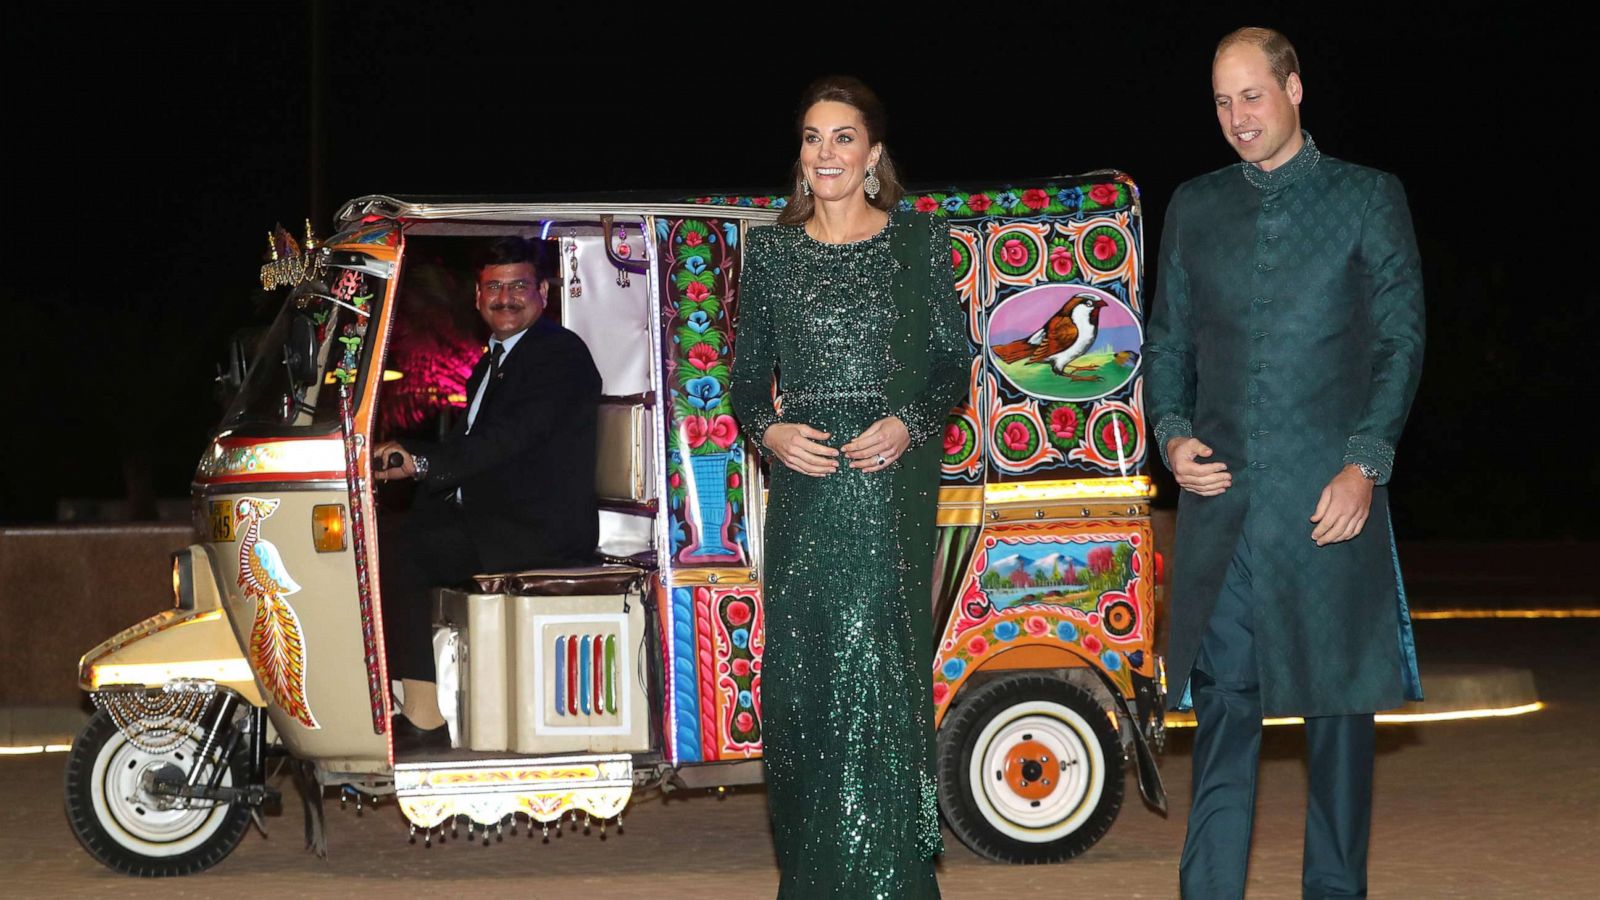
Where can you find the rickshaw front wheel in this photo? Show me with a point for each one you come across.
(1030, 769)
(130, 830)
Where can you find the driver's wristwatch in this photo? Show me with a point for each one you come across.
(1367, 472)
(421, 464)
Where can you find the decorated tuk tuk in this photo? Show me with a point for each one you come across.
(571, 690)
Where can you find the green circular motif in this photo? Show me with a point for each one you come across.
(1026, 439)
(1070, 260)
(1106, 442)
(1028, 243)
(1070, 419)
(1092, 240)
(963, 258)
(968, 439)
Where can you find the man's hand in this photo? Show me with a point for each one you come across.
(798, 448)
(1205, 479)
(1343, 509)
(885, 439)
(382, 471)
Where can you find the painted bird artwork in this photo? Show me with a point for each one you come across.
(1067, 335)
(277, 644)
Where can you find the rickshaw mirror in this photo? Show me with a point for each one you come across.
(300, 351)
(231, 373)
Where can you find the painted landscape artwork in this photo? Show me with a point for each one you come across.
(1072, 575)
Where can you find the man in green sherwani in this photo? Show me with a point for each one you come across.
(1283, 355)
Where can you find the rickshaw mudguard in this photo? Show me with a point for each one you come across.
(171, 645)
(1150, 786)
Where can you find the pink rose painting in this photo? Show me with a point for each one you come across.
(1104, 194)
(1064, 422)
(695, 430)
(1061, 261)
(1014, 252)
(1104, 248)
(1016, 437)
(723, 431)
(953, 439)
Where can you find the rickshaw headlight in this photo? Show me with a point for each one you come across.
(182, 580)
(327, 527)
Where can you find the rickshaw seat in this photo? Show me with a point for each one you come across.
(623, 462)
(582, 581)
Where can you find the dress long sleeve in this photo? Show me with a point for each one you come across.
(755, 354)
(949, 359)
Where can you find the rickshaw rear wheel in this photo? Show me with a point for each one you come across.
(132, 831)
(1030, 770)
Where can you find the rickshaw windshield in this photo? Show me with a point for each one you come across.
(315, 346)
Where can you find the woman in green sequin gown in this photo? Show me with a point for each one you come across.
(846, 673)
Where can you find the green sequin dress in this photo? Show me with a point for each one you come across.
(846, 673)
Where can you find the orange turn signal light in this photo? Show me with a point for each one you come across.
(327, 527)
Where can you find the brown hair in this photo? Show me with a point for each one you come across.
(1271, 42)
(851, 92)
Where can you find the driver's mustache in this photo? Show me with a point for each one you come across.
(500, 306)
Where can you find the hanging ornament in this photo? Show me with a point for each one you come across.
(574, 282)
(622, 251)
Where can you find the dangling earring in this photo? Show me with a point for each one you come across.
(872, 184)
(805, 187)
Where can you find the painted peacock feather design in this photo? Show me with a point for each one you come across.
(277, 645)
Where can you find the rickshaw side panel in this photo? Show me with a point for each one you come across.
(293, 613)
(1082, 587)
(712, 617)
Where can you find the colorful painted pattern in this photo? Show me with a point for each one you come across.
(1061, 417)
(713, 661)
(431, 794)
(262, 460)
(277, 642)
(587, 680)
(706, 460)
(1081, 586)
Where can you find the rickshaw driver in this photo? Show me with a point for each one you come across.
(510, 487)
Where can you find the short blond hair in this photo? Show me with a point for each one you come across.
(1271, 42)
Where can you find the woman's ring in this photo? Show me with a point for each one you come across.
(881, 460)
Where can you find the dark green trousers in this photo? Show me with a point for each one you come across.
(1225, 688)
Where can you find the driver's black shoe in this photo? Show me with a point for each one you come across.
(410, 740)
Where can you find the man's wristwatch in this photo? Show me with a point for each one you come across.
(421, 464)
(1367, 472)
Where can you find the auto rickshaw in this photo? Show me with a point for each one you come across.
(569, 691)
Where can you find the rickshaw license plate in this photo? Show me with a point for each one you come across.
(221, 520)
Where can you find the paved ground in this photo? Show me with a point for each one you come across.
(1503, 808)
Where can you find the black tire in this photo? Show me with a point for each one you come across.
(124, 828)
(1029, 727)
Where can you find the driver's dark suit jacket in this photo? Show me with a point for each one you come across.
(526, 470)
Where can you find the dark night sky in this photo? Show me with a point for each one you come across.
(147, 155)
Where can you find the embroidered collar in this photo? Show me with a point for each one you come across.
(1298, 167)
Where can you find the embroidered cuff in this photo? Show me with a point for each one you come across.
(1375, 452)
(1171, 425)
(918, 425)
(755, 427)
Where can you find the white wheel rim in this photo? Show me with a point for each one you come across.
(132, 817)
(1076, 787)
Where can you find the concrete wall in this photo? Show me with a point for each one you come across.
(64, 589)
